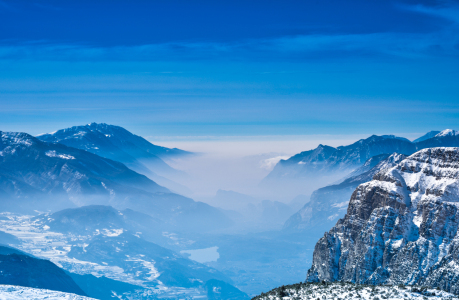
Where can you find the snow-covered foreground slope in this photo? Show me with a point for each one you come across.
(13, 292)
(341, 290)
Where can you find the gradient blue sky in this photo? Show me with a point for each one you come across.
(206, 69)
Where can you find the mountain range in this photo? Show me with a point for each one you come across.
(110, 140)
(303, 172)
(114, 229)
(37, 175)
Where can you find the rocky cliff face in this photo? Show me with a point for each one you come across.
(401, 227)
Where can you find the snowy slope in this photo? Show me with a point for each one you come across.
(101, 245)
(349, 291)
(57, 169)
(447, 132)
(13, 292)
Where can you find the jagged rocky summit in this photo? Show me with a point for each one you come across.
(325, 159)
(400, 228)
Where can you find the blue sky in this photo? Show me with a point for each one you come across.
(197, 69)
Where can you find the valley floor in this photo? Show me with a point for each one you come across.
(39, 241)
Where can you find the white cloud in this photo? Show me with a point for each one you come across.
(269, 163)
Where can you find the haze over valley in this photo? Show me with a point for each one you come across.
(93, 216)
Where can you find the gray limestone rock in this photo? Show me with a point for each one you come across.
(400, 228)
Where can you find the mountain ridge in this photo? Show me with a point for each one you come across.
(304, 172)
(116, 143)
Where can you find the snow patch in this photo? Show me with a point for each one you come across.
(341, 204)
(447, 132)
(12, 292)
(112, 232)
(52, 153)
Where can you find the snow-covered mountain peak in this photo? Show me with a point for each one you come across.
(113, 142)
(447, 132)
(17, 138)
(429, 174)
(395, 157)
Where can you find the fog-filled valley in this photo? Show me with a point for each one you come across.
(118, 216)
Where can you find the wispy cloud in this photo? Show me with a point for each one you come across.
(448, 10)
(269, 163)
(301, 47)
